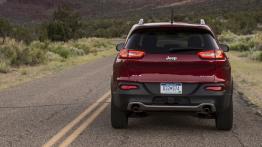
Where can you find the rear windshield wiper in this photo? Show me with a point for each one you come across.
(184, 49)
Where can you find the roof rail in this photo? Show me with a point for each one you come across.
(141, 21)
(202, 22)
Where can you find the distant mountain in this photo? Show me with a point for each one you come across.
(31, 11)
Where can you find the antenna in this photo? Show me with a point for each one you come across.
(141, 21)
(202, 22)
(172, 16)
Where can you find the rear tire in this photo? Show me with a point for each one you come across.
(224, 119)
(119, 118)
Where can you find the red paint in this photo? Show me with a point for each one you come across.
(186, 69)
(210, 66)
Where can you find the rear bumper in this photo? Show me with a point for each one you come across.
(150, 99)
(138, 106)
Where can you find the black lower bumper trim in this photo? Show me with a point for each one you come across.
(138, 106)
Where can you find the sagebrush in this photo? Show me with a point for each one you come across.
(15, 53)
(249, 45)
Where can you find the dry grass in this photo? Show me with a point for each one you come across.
(247, 75)
(26, 73)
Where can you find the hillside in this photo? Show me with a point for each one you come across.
(31, 10)
(26, 11)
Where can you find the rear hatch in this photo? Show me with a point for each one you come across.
(171, 55)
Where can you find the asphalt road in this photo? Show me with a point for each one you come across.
(58, 110)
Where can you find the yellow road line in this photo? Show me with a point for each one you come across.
(108, 100)
(69, 126)
(83, 126)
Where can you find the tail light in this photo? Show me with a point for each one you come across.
(131, 54)
(215, 88)
(212, 54)
(128, 87)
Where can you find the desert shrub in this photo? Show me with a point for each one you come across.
(260, 56)
(61, 50)
(32, 56)
(97, 44)
(92, 45)
(66, 50)
(228, 37)
(258, 41)
(242, 45)
(4, 67)
(9, 51)
(23, 33)
(82, 44)
(5, 28)
(39, 45)
(17, 53)
(249, 45)
(238, 42)
(57, 31)
(42, 32)
(256, 55)
(76, 51)
(51, 56)
(64, 25)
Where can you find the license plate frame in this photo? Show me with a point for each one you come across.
(171, 88)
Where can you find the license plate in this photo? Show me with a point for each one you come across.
(171, 88)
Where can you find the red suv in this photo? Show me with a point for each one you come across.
(172, 67)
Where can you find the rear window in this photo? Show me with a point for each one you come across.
(170, 40)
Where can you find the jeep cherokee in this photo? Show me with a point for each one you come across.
(172, 67)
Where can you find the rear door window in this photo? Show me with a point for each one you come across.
(160, 41)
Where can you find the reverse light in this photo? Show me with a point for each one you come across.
(215, 88)
(131, 54)
(128, 87)
(212, 54)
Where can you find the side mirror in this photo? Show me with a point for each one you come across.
(120, 46)
(224, 47)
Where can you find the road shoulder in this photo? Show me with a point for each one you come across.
(28, 73)
(247, 76)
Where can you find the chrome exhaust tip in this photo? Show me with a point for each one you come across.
(135, 108)
(208, 108)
